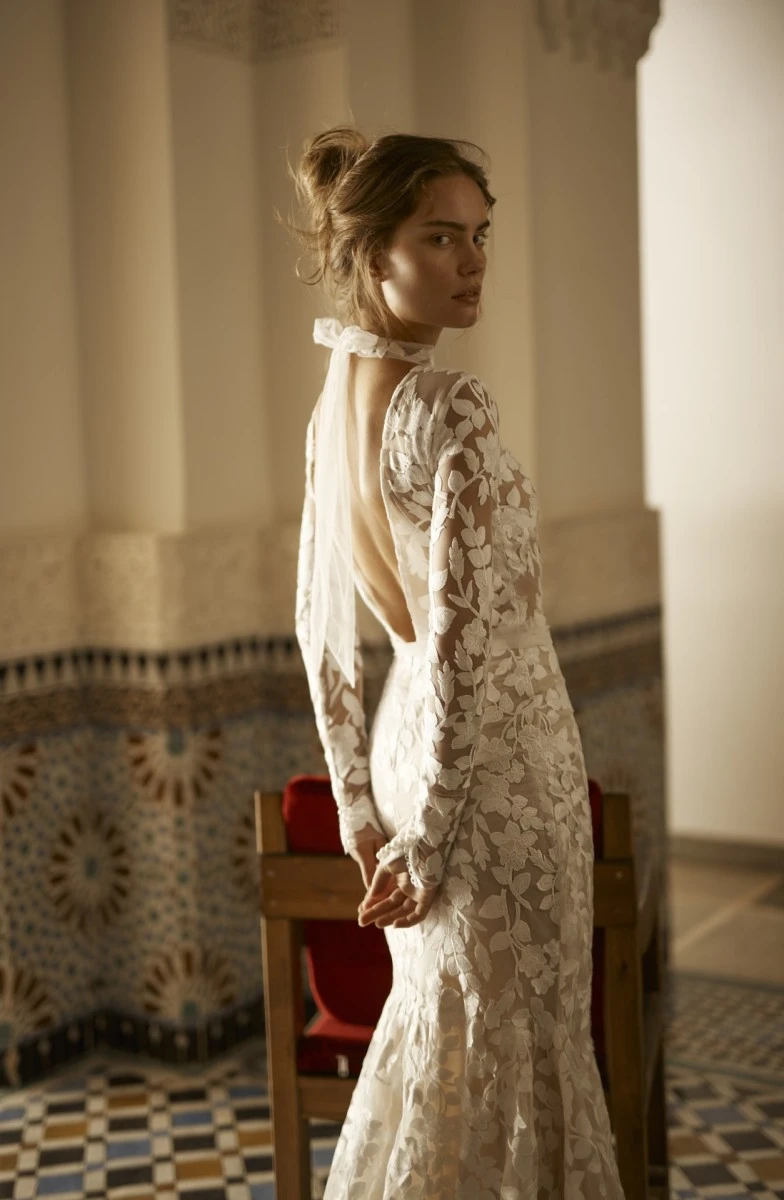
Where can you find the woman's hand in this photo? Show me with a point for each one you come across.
(393, 900)
(366, 852)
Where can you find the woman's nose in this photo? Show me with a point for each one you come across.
(475, 260)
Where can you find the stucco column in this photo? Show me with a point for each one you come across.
(600, 539)
(125, 256)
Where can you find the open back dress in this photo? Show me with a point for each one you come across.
(480, 1082)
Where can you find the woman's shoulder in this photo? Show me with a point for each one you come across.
(450, 394)
(448, 407)
(439, 385)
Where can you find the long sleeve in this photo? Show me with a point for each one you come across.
(338, 707)
(465, 454)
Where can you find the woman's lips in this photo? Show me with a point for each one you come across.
(469, 297)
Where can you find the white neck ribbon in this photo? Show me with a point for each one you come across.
(333, 609)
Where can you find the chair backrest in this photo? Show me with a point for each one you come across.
(340, 951)
(597, 976)
(335, 951)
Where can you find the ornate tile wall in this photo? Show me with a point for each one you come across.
(128, 890)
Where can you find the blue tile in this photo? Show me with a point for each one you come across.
(11, 1114)
(262, 1191)
(51, 1185)
(201, 1116)
(141, 1148)
(246, 1090)
(322, 1155)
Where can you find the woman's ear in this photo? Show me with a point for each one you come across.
(378, 266)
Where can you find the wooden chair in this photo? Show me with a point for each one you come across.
(313, 1066)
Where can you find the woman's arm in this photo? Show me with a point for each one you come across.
(465, 453)
(338, 707)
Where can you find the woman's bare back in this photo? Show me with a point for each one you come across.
(371, 384)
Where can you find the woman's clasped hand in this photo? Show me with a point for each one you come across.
(391, 897)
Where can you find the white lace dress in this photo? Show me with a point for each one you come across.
(480, 1082)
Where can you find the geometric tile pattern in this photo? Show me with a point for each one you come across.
(727, 1023)
(129, 895)
(118, 1130)
(726, 1136)
(135, 1129)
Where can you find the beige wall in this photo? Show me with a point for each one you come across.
(712, 165)
(125, 251)
(217, 196)
(297, 94)
(172, 289)
(43, 483)
(585, 252)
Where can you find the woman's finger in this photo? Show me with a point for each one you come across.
(402, 913)
(371, 901)
(394, 904)
(402, 910)
(381, 882)
(393, 897)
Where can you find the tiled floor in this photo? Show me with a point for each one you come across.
(129, 1130)
(728, 921)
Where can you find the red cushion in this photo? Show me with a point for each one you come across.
(319, 1046)
(340, 950)
(337, 951)
(310, 816)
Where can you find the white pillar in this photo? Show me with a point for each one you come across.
(125, 251)
(712, 142)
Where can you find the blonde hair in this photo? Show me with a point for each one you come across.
(356, 194)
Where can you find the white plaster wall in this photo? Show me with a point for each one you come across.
(42, 464)
(585, 249)
(217, 215)
(712, 170)
(126, 266)
(297, 95)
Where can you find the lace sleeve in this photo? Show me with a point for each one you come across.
(460, 611)
(338, 707)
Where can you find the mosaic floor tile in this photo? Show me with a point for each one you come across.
(136, 1130)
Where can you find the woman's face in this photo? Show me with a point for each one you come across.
(435, 255)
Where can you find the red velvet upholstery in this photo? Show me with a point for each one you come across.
(334, 948)
(327, 1039)
(337, 950)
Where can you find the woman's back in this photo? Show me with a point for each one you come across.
(372, 383)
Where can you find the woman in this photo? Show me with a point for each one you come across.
(467, 805)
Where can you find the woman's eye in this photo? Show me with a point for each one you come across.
(482, 238)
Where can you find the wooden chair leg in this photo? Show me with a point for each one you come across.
(290, 1131)
(659, 1164)
(625, 1058)
(658, 1151)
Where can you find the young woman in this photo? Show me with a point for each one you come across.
(466, 807)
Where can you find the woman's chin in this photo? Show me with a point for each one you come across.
(468, 317)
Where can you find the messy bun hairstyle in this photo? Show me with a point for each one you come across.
(356, 193)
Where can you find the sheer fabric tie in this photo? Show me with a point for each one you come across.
(333, 609)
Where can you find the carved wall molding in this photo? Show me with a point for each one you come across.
(251, 29)
(159, 592)
(613, 34)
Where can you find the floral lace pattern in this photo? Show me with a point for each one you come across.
(480, 1082)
